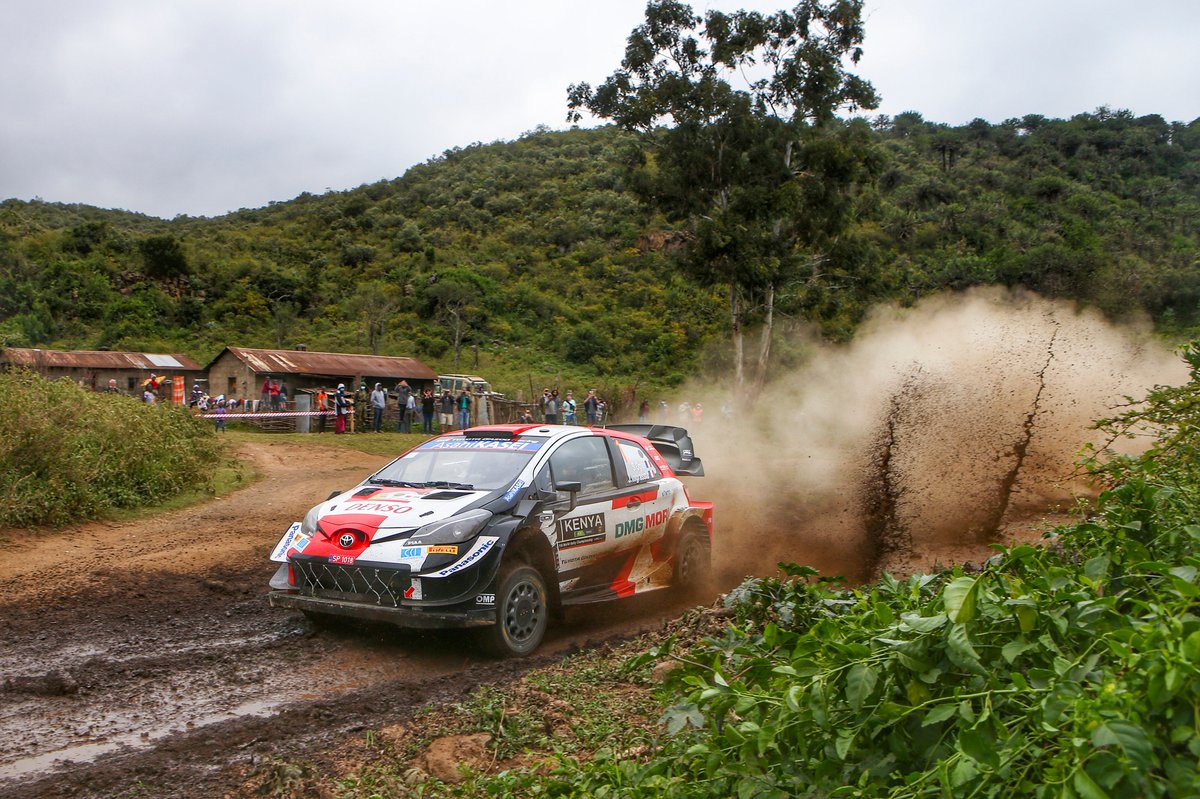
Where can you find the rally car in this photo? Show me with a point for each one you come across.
(501, 527)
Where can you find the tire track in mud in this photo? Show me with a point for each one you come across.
(1020, 449)
(888, 537)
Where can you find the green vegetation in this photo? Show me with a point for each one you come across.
(573, 276)
(68, 453)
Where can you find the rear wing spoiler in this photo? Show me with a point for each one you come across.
(673, 443)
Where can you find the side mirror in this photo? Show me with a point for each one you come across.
(573, 488)
(334, 494)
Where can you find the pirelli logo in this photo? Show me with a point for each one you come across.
(580, 531)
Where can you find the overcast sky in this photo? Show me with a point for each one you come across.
(201, 107)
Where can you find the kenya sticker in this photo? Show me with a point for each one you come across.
(580, 531)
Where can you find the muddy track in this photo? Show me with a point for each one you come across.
(141, 657)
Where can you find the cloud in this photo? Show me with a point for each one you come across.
(206, 106)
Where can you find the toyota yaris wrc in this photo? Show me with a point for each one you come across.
(501, 527)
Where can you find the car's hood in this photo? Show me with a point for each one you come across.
(400, 508)
(392, 508)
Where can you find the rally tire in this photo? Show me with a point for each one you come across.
(693, 564)
(522, 612)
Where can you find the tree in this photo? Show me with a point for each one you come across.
(373, 303)
(747, 166)
(455, 296)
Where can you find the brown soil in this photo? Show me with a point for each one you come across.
(141, 657)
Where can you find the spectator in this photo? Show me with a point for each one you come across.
(697, 414)
(527, 417)
(446, 410)
(601, 410)
(552, 408)
(193, 401)
(542, 402)
(406, 409)
(360, 409)
(568, 409)
(644, 412)
(274, 396)
(341, 408)
(410, 412)
(111, 388)
(322, 406)
(662, 411)
(378, 405)
(591, 407)
(428, 403)
(464, 410)
(148, 395)
(265, 402)
(219, 421)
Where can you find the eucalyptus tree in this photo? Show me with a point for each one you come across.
(742, 142)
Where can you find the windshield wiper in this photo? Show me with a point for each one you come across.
(383, 481)
(445, 484)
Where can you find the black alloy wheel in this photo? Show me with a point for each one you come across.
(522, 612)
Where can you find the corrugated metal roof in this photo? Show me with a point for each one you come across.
(332, 364)
(99, 359)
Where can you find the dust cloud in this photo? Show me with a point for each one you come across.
(938, 430)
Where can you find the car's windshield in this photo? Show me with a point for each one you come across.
(462, 463)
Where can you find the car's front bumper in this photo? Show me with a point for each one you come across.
(413, 616)
(459, 595)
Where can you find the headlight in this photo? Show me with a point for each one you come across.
(453, 530)
(308, 527)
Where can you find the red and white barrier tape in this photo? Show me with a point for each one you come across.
(265, 414)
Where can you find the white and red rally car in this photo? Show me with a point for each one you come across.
(500, 527)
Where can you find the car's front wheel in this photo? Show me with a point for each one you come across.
(522, 612)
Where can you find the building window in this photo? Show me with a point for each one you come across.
(132, 383)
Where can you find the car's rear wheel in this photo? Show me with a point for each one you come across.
(522, 612)
(693, 563)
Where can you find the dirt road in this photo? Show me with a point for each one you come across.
(141, 657)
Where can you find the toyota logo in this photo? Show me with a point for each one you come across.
(347, 540)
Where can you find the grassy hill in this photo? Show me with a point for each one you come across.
(533, 260)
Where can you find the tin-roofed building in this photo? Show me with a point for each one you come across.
(94, 368)
(240, 371)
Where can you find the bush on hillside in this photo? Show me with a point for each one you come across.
(68, 453)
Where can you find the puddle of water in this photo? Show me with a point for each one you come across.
(87, 752)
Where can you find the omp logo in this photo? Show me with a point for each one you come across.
(485, 599)
(648, 522)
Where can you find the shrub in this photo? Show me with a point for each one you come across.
(68, 453)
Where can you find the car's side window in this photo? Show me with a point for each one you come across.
(586, 461)
(638, 466)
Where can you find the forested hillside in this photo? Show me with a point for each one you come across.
(537, 257)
